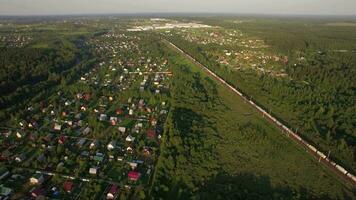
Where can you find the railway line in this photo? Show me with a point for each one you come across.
(325, 160)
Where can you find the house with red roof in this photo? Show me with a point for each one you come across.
(112, 192)
(36, 192)
(62, 139)
(151, 133)
(134, 176)
(68, 186)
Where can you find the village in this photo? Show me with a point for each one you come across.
(105, 128)
(235, 50)
(15, 40)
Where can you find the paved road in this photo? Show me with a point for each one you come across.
(337, 169)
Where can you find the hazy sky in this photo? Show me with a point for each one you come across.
(45, 7)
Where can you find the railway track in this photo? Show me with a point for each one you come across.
(322, 158)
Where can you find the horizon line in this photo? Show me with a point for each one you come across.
(177, 13)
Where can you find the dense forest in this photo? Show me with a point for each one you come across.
(318, 100)
(216, 147)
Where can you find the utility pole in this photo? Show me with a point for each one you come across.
(329, 153)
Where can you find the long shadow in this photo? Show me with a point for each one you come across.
(248, 186)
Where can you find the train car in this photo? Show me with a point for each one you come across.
(321, 154)
(351, 176)
(297, 137)
(341, 169)
(332, 163)
(312, 148)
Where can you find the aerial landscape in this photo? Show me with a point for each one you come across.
(166, 102)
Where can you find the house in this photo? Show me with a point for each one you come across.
(130, 138)
(57, 127)
(119, 111)
(98, 158)
(112, 192)
(18, 135)
(84, 154)
(103, 117)
(151, 133)
(111, 145)
(122, 129)
(37, 179)
(5, 191)
(81, 142)
(113, 120)
(129, 149)
(94, 144)
(93, 170)
(133, 165)
(146, 151)
(153, 122)
(134, 176)
(131, 112)
(78, 116)
(68, 186)
(37, 192)
(20, 158)
(86, 131)
(62, 139)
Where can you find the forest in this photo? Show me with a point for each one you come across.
(31, 71)
(318, 100)
(216, 147)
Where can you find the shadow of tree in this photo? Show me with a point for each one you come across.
(249, 186)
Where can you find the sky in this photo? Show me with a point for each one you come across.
(63, 7)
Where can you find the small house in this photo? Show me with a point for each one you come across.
(151, 133)
(133, 165)
(86, 131)
(5, 191)
(37, 179)
(37, 192)
(81, 142)
(111, 145)
(134, 176)
(118, 111)
(62, 139)
(131, 112)
(103, 117)
(122, 129)
(94, 144)
(113, 120)
(93, 170)
(112, 192)
(68, 186)
(130, 138)
(57, 127)
(20, 158)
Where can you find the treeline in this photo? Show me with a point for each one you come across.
(318, 99)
